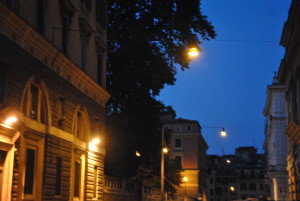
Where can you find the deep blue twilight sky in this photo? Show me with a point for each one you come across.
(226, 85)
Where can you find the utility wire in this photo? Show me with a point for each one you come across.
(246, 41)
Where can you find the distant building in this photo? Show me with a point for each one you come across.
(188, 147)
(276, 141)
(288, 75)
(237, 177)
(52, 99)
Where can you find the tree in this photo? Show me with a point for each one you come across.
(145, 39)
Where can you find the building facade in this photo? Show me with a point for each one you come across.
(237, 177)
(188, 148)
(289, 76)
(276, 141)
(52, 99)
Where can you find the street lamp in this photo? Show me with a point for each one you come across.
(164, 150)
(185, 179)
(223, 133)
(193, 52)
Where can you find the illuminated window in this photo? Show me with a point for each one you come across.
(29, 172)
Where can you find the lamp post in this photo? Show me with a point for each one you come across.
(185, 179)
(164, 150)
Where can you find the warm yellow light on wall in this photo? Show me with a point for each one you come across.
(96, 141)
(185, 179)
(10, 120)
(93, 144)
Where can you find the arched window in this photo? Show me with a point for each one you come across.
(35, 104)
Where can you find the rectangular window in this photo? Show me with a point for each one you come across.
(40, 16)
(177, 143)
(261, 187)
(77, 179)
(177, 128)
(2, 159)
(64, 35)
(83, 53)
(95, 182)
(58, 176)
(29, 172)
(218, 190)
(2, 83)
(189, 129)
(243, 186)
(99, 68)
(178, 160)
(252, 187)
(211, 191)
(101, 12)
(34, 102)
(61, 109)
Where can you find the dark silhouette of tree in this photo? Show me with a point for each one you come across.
(146, 38)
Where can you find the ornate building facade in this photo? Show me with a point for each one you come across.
(276, 142)
(289, 76)
(52, 99)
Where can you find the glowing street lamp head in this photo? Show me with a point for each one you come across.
(193, 52)
(10, 120)
(223, 133)
(137, 154)
(165, 150)
(228, 161)
(232, 188)
(185, 179)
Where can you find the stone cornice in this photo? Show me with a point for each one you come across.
(27, 38)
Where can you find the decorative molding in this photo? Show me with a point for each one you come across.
(23, 35)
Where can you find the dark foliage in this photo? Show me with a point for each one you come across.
(145, 39)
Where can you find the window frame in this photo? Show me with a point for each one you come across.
(32, 141)
(176, 141)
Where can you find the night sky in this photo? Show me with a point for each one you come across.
(226, 85)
